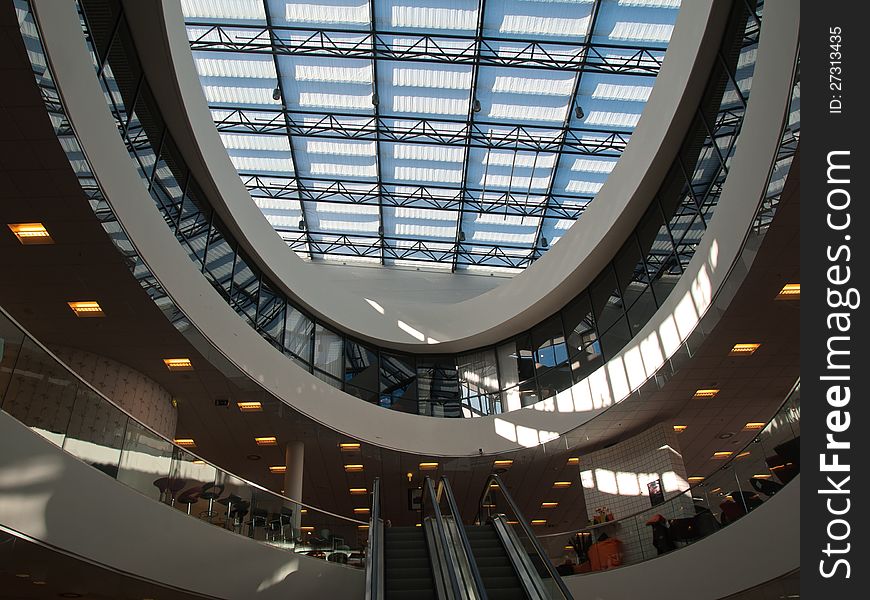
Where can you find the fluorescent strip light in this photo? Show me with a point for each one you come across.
(502, 463)
(712, 393)
(722, 454)
(353, 468)
(680, 428)
(358, 491)
(86, 309)
(754, 426)
(269, 440)
(790, 291)
(574, 460)
(278, 469)
(549, 504)
(428, 466)
(178, 364)
(563, 484)
(249, 406)
(348, 446)
(743, 349)
(185, 442)
(31, 233)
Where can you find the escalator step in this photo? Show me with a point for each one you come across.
(412, 552)
(492, 561)
(495, 583)
(505, 594)
(500, 571)
(411, 595)
(407, 572)
(418, 583)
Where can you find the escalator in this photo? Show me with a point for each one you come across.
(495, 557)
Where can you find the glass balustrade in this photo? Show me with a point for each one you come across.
(46, 396)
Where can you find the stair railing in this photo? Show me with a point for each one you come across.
(375, 550)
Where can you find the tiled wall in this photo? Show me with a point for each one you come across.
(617, 477)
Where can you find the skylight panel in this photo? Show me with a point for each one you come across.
(428, 153)
(258, 164)
(538, 25)
(435, 175)
(283, 221)
(612, 119)
(563, 224)
(584, 187)
(242, 68)
(430, 105)
(239, 96)
(642, 32)
(436, 246)
(276, 204)
(588, 165)
(431, 17)
(339, 148)
(538, 86)
(237, 141)
(350, 225)
(356, 12)
(343, 170)
(504, 237)
(507, 158)
(235, 10)
(323, 100)
(520, 112)
(490, 268)
(425, 231)
(399, 262)
(625, 93)
(452, 78)
(346, 208)
(516, 182)
(651, 3)
(404, 212)
(359, 72)
(348, 257)
(502, 219)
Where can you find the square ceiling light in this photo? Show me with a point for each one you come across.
(353, 468)
(708, 393)
(744, 349)
(185, 442)
(250, 406)
(790, 291)
(31, 234)
(86, 308)
(278, 469)
(269, 440)
(178, 364)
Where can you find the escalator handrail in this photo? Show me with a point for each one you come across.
(463, 536)
(373, 558)
(429, 491)
(527, 529)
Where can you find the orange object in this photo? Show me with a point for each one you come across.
(605, 554)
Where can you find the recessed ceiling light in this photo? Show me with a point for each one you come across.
(362, 526)
(742, 454)
(307, 528)
(743, 349)
(278, 469)
(754, 426)
(185, 442)
(253, 457)
(250, 406)
(31, 234)
(178, 364)
(725, 435)
(348, 446)
(504, 464)
(539, 521)
(428, 466)
(353, 468)
(358, 491)
(574, 460)
(680, 428)
(762, 476)
(549, 504)
(790, 291)
(303, 511)
(722, 454)
(38, 582)
(269, 440)
(361, 511)
(562, 484)
(199, 462)
(709, 393)
(493, 486)
(23, 575)
(696, 478)
(513, 522)
(86, 308)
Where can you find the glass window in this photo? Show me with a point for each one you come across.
(360, 366)
(478, 381)
(438, 384)
(245, 288)
(169, 179)
(328, 351)
(194, 222)
(584, 351)
(398, 382)
(614, 339)
(270, 314)
(218, 267)
(298, 333)
(96, 432)
(606, 301)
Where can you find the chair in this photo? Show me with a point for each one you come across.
(189, 497)
(278, 521)
(210, 492)
(683, 530)
(229, 501)
(259, 518)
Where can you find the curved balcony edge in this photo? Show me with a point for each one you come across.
(661, 338)
(511, 307)
(51, 496)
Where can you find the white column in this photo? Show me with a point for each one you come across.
(294, 458)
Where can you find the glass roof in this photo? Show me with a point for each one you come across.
(449, 134)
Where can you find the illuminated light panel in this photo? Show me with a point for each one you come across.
(549, 504)
(493, 486)
(696, 478)
(790, 291)
(743, 454)
(307, 528)
(744, 349)
(269, 440)
(539, 521)
(304, 511)
(31, 234)
(754, 426)
(559, 485)
(185, 442)
(680, 428)
(502, 463)
(199, 462)
(353, 468)
(278, 469)
(428, 466)
(178, 364)
(762, 476)
(88, 308)
(362, 526)
(513, 522)
(574, 460)
(250, 406)
(348, 447)
(361, 511)
(711, 393)
(358, 491)
(722, 454)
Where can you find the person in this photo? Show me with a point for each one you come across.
(661, 534)
(566, 568)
